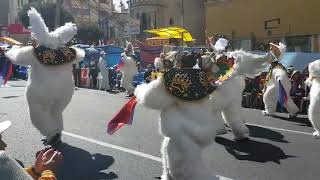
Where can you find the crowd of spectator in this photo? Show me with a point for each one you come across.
(254, 89)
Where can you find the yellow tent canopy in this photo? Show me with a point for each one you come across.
(10, 41)
(172, 32)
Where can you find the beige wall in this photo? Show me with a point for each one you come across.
(297, 17)
(193, 16)
(194, 19)
(93, 6)
(154, 8)
(172, 10)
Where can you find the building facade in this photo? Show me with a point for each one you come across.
(9, 11)
(122, 28)
(149, 12)
(9, 20)
(189, 14)
(251, 24)
(89, 11)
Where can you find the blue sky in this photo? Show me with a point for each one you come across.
(117, 4)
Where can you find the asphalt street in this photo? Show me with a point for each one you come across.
(279, 148)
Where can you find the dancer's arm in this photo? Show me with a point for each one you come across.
(21, 56)
(154, 95)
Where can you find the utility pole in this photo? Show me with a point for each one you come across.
(182, 13)
(58, 13)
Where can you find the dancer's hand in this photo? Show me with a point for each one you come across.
(48, 159)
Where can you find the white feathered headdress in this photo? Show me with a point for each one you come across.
(54, 39)
(282, 48)
(314, 69)
(129, 47)
(221, 44)
(220, 47)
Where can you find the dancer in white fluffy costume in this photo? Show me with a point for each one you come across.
(129, 69)
(278, 73)
(314, 107)
(188, 125)
(228, 108)
(50, 85)
(231, 91)
(104, 82)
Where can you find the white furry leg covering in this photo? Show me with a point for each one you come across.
(105, 79)
(220, 124)
(270, 99)
(48, 121)
(292, 107)
(185, 160)
(165, 166)
(314, 115)
(126, 83)
(233, 115)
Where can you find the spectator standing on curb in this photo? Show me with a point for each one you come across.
(45, 166)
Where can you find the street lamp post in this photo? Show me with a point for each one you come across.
(182, 13)
(155, 19)
(58, 11)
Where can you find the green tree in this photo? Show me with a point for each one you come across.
(47, 11)
(89, 34)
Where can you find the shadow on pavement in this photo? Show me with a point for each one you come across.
(301, 120)
(253, 150)
(260, 132)
(9, 97)
(81, 165)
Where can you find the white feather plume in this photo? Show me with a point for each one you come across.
(158, 63)
(38, 28)
(64, 33)
(283, 49)
(221, 45)
(54, 39)
(249, 64)
(314, 69)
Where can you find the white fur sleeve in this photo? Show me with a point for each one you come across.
(249, 64)
(308, 82)
(21, 56)
(158, 63)
(153, 95)
(280, 74)
(79, 54)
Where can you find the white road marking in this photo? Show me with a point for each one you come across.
(158, 159)
(130, 151)
(223, 178)
(126, 150)
(280, 129)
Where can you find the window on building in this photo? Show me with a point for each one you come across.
(171, 22)
(137, 16)
(244, 44)
(112, 32)
(298, 43)
(105, 1)
(144, 21)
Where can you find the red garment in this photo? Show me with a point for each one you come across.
(120, 65)
(124, 116)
